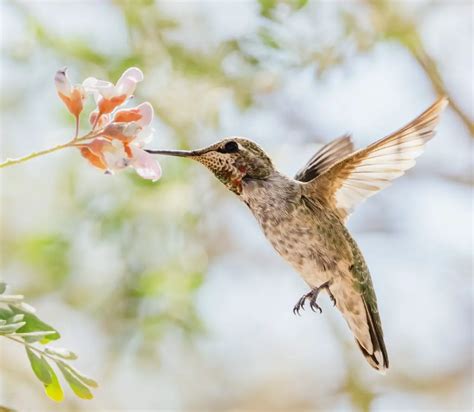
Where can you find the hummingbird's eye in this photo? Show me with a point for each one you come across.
(229, 147)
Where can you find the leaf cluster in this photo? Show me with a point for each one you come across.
(19, 323)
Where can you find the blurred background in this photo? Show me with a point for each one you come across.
(168, 291)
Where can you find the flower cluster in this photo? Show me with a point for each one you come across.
(117, 134)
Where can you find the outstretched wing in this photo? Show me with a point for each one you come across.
(325, 157)
(364, 172)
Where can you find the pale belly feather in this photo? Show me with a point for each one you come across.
(296, 232)
(297, 242)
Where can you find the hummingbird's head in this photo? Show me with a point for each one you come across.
(231, 160)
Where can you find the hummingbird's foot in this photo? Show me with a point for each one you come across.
(313, 296)
(326, 285)
(331, 296)
(312, 303)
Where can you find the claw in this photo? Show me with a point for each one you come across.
(300, 304)
(313, 296)
(315, 306)
(331, 296)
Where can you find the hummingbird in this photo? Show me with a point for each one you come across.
(304, 217)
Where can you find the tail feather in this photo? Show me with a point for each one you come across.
(361, 314)
(378, 359)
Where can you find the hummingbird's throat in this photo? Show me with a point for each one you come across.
(232, 178)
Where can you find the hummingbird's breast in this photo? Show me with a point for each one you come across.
(303, 236)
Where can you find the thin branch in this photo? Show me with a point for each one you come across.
(11, 162)
(392, 24)
(34, 348)
(429, 67)
(71, 143)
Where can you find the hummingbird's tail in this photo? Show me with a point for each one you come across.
(359, 309)
(378, 359)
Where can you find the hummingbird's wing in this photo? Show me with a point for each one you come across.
(364, 172)
(325, 157)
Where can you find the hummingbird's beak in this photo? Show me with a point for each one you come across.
(179, 153)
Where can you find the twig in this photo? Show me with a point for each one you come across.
(429, 67)
(71, 143)
(34, 348)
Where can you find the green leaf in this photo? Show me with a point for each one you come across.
(39, 366)
(3, 287)
(62, 353)
(53, 389)
(34, 324)
(79, 375)
(5, 313)
(10, 328)
(11, 298)
(16, 318)
(25, 307)
(81, 390)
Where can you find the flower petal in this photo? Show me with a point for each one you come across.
(103, 121)
(126, 87)
(144, 136)
(94, 152)
(128, 81)
(127, 115)
(116, 157)
(146, 110)
(62, 82)
(142, 114)
(132, 129)
(99, 87)
(125, 132)
(109, 105)
(145, 164)
(91, 84)
(134, 73)
(74, 100)
(77, 100)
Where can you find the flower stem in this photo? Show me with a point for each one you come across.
(71, 143)
(11, 162)
(77, 128)
(96, 122)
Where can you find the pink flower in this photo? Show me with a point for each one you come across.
(73, 96)
(108, 95)
(120, 143)
(142, 114)
(113, 156)
(131, 124)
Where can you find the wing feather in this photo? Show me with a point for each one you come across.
(363, 173)
(325, 157)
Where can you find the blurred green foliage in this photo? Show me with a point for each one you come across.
(46, 254)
